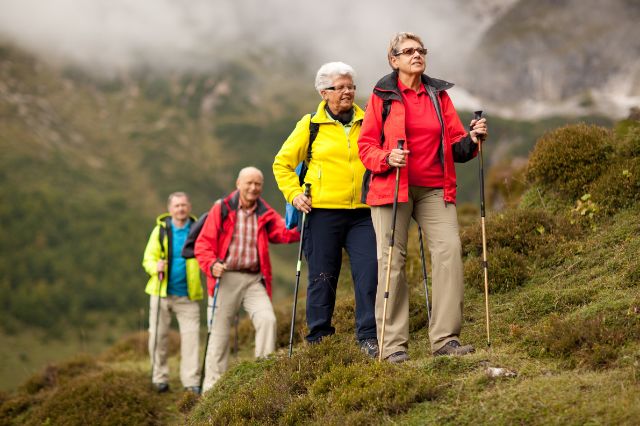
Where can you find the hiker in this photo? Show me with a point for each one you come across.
(174, 284)
(336, 217)
(236, 251)
(416, 105)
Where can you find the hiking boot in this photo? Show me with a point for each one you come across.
(315, 341)
(161, 387)
(398, 357)
(193, 389)
(369, 346)
(453, 347)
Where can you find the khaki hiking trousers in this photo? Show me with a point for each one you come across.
(440, 224)
(188, 315)
(238, 289)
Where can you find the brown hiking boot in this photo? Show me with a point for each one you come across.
(453, 347)
(397, 357)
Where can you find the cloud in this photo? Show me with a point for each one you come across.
(168, 35)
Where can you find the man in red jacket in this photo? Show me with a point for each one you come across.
(233, 249)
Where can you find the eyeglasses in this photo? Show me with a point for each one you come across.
(349, 87)
(411, 50)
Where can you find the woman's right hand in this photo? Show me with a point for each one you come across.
(302, 203)
(398, 157)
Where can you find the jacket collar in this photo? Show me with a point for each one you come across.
(387, 86)
(321, 116)
(233, 201)
(164, 218)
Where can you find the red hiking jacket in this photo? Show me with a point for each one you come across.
(214, 239)
(376, 143)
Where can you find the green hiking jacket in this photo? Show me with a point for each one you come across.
(155, 252)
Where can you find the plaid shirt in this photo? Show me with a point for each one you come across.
(243, 250)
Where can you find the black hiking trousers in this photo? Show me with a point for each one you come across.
(327, 232)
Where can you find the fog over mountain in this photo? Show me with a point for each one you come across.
(489, 48)
(167, 35)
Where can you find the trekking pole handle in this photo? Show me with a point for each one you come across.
(307, 189)
(477, 115)
(400, 143)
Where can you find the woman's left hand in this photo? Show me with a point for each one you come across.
(479, 130)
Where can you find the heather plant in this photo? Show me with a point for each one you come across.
(619, 186)
(568, 159)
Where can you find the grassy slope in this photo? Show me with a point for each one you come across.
(577, 382)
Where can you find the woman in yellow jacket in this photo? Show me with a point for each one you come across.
(336, 217)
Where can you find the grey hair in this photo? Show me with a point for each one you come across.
(329, 71)
(396, 40)
(250, 169)
(176, 195)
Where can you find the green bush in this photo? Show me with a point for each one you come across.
(522, 231)
(507, 270)
(589, 342)
(102, 398)
(618, 187)
(628, 138)
(332, 382)
(568, 159)
(58, 374)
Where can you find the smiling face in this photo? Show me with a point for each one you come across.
(340, 98)
(249, 184)
(409, 64)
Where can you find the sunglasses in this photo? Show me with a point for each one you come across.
(411, 50)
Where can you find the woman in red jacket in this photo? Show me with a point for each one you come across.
(408, 105)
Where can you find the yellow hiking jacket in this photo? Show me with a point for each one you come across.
(335, 171)
(154, 252)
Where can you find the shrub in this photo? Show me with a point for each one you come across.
(618, 187)
(569, 158)
(522, 231)
(13, 408)
(102, 398)
(332, 382)
(57, 374)
(588, 342)
(506, 271)
(628, 138)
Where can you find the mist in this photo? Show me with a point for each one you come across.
(107, 38)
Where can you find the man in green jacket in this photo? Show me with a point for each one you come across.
(174, 284)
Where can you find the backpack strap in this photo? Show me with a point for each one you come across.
(163, 233)
(314, 128)
(386, 107)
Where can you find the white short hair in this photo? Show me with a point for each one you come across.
(329, 71)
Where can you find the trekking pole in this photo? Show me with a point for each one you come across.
(155, 336)
(216, 290)
(307, 192)
(391, 244)
(477, 115)
(235, 338)
(424, 275)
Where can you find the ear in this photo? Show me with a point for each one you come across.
(394, 62)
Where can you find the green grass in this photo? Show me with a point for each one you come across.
(571, 331)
